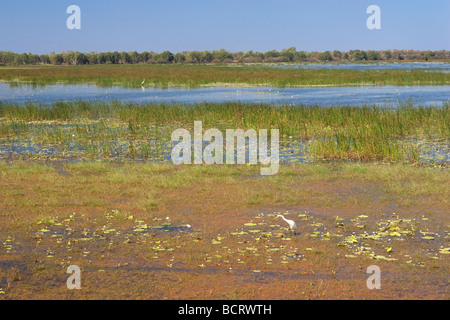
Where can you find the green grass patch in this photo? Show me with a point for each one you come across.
(188, 75)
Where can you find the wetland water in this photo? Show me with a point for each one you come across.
(291, 151)
(390, 96)
(431, 66)
(432, 151)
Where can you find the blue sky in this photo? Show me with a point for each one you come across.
(236, 25)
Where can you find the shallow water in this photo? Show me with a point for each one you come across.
(390, 96)
(431, 151)
(435, 66)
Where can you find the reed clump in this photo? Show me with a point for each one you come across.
(105, 129)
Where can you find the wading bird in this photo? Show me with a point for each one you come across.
(291, 223)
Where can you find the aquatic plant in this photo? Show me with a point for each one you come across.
(143, 131)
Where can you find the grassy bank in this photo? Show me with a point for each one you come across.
(204, 74)
(120, 130)
(159, 231)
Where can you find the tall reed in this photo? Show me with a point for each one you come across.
(358, 133)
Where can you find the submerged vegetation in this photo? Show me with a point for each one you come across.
(79, 130)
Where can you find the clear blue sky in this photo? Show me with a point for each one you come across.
(236, 25)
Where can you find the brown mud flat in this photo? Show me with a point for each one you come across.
(165, 232)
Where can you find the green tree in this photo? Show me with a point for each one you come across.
(206, 57)
(45, 59)
(7, 57)
(56, 59)
(325, 56)
(101, 58)
(373, 55)
(179, 58)
(144, 56)
(337, 54)
(33, 58)
(358, 55)
(271, 54)
(288, 55)
(429, 54)
(20, 59)
(115, 58)
(193, 57)
(69, 57)
(125, 58)
(81, 58)
(300, 55)
(134, 57)
(108, 56)
(221, 55)
(92, 58)
(165, 57)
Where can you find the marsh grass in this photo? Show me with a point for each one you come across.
(142, 131)
(185, 75)
(148, 181)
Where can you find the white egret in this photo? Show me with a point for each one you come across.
(142, 83)
(291, 223)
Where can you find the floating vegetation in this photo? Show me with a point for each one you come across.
(378, 243)
(257, 246)
(78, 237)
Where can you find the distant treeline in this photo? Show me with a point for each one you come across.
(216, 56)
